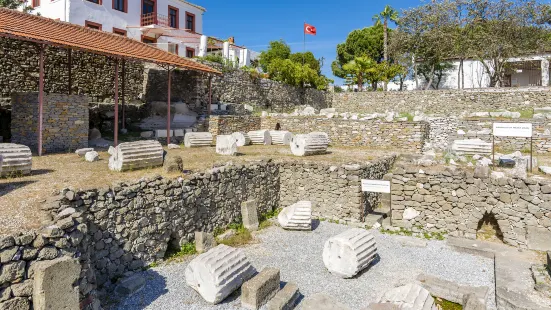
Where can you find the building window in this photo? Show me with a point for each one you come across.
(190, 21)
(95, 1)
(36, 3)
(190, 53)
(148, 6)
(173, 48)
(118, 31)
(120, 5)
(92, 25)
(173, 17)
(148, 40)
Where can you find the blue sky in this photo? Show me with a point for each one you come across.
(256, 23)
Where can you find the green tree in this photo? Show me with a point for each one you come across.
(388, 14)
(433, 74)
(361, 70)
(15, 4)
(277, 50)
(366, 42)
(296, 74)
(308, 58)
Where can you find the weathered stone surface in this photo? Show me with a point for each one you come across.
(83, 151)
(249, 215)
(204, 241)
(410, 296)
(172, 146)
(241, 138)
(473, 302)
(226, 145)
(260, 137)
(410, 213)
(451, 291)
(198, 139)
(219, 272)
(173, 163)
(297, 216)
(549, 261)
(538, 238)
(12, 272)
(285, 299)
(348, 253)
(136, 155)
(281, 137)
(321, 302)
(18, 303)
(130, 285)
(91, 156)
(16, 159)
(257, 291)
(472, 146)
(55, 284)
(310, 144)
(23, 289)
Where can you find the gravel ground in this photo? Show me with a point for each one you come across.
(299, 257)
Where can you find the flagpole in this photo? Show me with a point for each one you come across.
(304, 42)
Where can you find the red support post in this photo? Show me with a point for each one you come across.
(116, 133)
(123, 79)
(40, 97)
(168, 109)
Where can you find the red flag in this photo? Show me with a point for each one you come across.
(309, 29)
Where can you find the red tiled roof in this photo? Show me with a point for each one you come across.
(28, 27)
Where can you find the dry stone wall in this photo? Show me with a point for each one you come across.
(335, 191)
(92, 75)
(65, 121)
(234, 86)
(455, 202)
(407, 136)
(443, 102)
(226, 125)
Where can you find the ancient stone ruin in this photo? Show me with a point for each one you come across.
(310, 144)
(136, 155)
(16, 159)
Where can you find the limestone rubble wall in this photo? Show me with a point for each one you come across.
(226, 125)
(443, 102)
(454, 202)
(407, 136)
(335, 191)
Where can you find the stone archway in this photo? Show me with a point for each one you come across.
(488, 228)
(278, 126)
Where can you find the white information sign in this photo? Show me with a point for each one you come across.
(523, 130)
(376, 186)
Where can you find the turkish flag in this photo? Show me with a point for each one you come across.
(309, 29)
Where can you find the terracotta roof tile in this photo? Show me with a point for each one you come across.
(28, 27)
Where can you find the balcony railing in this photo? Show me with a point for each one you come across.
(155, 19)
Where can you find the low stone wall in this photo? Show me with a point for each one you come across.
(225, 125)
(455, 201)
(65, 121)
(443, 102)
(407, 136)
(335, 191)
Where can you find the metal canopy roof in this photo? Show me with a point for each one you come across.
(28, 27)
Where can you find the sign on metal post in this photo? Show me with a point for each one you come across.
(378, 186)
(519, 130)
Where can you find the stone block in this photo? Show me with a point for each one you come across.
(226, 145)
(91, 156)
(82, 152)
(204, 241)
(549, 262)
(161, 133)
(137, 155)
(18, 303)
(285, 299)
(249, 214)
(260, 289)
(11, 272)
(281, 137)
(218, 273)
(197, 139)
(260, 137)
(147, 134)
(310, 144)
(473, 302)
(173, 163)
(130, 285)
(241, 138)
(348, 253)
(321, 302)
(16, 159)
(56, 284)
(410, 296)
(179, 132)
(297, 216)
(539, 238)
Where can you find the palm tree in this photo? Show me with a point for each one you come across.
(388, 14)
(360, 68)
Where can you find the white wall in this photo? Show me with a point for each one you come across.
(79, 11)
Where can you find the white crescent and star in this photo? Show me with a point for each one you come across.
(310, 29)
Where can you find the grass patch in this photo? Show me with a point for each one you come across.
(242, 236)
(186, 249)
(265, 218)
(408, 115)
(401, 232)
(526, 113)
(446, 304)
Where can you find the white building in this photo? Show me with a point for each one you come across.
(526, 71)
(172, 25)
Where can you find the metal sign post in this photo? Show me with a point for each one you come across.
(519, 130)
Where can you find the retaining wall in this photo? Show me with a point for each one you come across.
(455, 201)
(65, 121)
(443, 102)
(225, 125)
